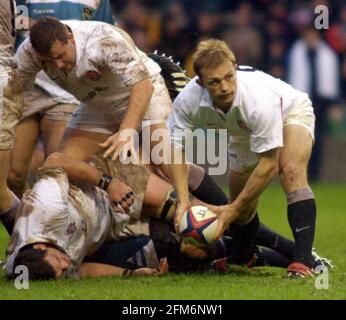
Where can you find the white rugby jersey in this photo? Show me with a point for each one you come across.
(76, 220)
(98, 10)
(256, 117)
(107, 65)
(7, 34)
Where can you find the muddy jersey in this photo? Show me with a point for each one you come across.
(107, 65)
(75, 219)
(7, 34)
(84, 10)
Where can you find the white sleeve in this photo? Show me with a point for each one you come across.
(28, 64)
(53, 185)
(266, 127)
(180, 122)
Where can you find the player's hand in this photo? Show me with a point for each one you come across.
(120, 143)
(121, 194)
(181, 208)
(226, 217)
(161, 270)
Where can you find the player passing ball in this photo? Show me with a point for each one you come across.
(264, 118)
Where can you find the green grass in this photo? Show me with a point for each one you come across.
(260, 283)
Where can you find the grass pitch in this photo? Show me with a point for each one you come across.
(259, 283)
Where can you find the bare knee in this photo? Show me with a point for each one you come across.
(54, 159)
(292, 176)
(16, 180)
(195, 176)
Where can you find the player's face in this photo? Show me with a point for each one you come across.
(220, 83)
(57, 260)
(62, 55)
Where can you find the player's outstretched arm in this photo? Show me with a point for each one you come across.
(93, 270)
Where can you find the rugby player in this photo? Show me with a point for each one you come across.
(47, 107)
(60, 223)
(271, 130)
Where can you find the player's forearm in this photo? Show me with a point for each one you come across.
(139, 99)
(93, 270)
(257, 182)
(76, 170)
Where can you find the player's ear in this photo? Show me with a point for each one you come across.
(70, 37)
(199, 82)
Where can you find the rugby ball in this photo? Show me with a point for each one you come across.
(198, 226)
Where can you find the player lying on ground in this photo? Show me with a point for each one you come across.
(76, 219)
(184, 257)
(59, 224)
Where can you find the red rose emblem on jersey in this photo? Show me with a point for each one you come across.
(93, 75)
(71, 229)
(242, 125)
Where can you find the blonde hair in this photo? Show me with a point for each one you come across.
(211, 53)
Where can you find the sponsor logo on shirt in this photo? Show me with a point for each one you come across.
(92, 94)
(89, 96)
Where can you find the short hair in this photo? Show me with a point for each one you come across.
(44, 32)
(211, 53)
(33, 259)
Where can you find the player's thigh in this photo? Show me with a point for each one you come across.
(53, 125)
(52, 133)
(294, 157)
(236, 184)
(4, 165)
(6, 197)
(242, 162)
(27, 133)
(80, 144)
(157, 191)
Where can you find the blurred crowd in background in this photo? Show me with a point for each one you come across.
(270, 35)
